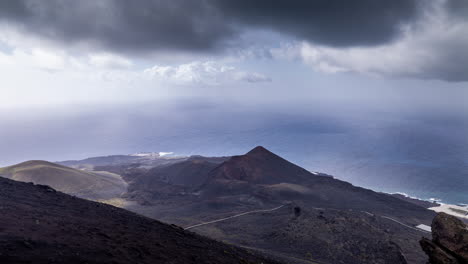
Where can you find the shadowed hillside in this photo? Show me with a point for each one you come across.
(39, 225)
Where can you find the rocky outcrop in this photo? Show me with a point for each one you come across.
(449, 243)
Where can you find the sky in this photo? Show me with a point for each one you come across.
(217, 77)
(64, 52)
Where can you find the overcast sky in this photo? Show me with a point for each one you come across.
(75, 61)
(116, 51)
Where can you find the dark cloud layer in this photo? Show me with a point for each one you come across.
(144, 25)
(197, 25)
(209, 26)
(458, 7)
(329, 22)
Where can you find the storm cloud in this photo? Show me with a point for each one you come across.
(329, 22)
(199, 25)
(411, 38)
(119, 25)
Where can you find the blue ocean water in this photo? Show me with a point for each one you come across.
(420, 154)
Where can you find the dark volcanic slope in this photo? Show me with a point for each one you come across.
(340, 223)
(263, 174)
(190, 173)
(422, 203)
(261, 166)
(40, 225)
(327, 236)
(164, 181)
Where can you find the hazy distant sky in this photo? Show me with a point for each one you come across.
(373, 91)
(115, 51)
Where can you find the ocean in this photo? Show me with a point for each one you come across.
(421, 154)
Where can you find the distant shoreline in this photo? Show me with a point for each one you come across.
(460, 210)
(451, 209)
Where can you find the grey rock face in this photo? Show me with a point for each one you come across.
(449, 243)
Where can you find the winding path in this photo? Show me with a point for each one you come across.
(279, 207)
(398, 222)
(234, 216)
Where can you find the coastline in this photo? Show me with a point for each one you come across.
(460, 210)
(451, 209)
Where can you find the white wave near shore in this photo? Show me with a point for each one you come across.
(460, 210)
(451, 209)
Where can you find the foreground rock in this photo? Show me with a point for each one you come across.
(450, 241)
